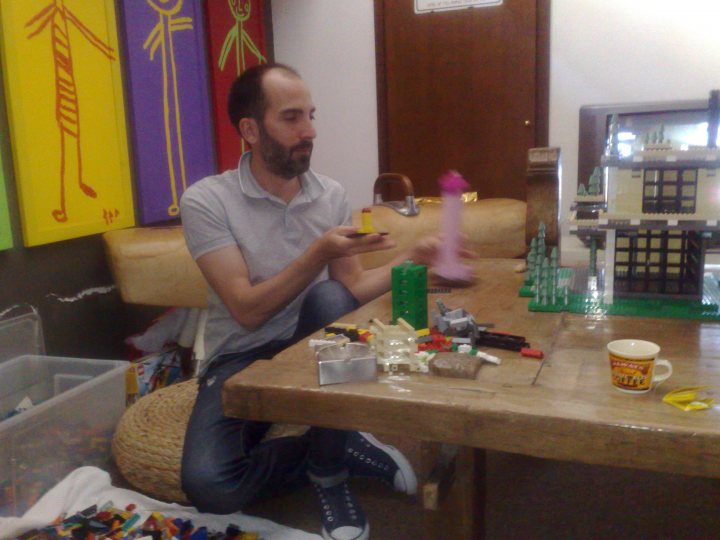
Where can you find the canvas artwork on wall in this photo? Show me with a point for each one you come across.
(168, 101)
(67, 119)
(237, 40)
(6, 240)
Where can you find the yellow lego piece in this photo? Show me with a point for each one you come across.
(366, 225)
(686, 399)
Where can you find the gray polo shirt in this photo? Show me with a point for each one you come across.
(232, 209)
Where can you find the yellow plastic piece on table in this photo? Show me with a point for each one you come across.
(686, 399)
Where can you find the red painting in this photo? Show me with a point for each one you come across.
(237, 41)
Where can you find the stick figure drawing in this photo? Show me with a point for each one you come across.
(161, 36)
(67, 105)
(239, 37)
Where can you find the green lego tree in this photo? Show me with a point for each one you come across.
(553, 273)
(595, 182)
(545, 281)
(531, 256)
(538, 268)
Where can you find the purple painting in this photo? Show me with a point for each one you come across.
(168, 101)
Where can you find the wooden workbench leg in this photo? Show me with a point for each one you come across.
(459, 497)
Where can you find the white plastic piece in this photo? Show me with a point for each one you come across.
(489, 358)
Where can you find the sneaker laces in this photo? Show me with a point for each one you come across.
(367, 456)
(342, 517)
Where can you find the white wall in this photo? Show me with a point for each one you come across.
(615, 51)
(602, 51)
(332, 44)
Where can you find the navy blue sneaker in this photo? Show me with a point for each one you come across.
(366, 456)
(342, 517)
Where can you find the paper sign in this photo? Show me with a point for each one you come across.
(426, 6)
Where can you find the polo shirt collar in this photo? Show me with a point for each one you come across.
(311, 186)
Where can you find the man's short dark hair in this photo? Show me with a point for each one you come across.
(247, 98)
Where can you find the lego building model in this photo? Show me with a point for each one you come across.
(394, 345)
(654, 209)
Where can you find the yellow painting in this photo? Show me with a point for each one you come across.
(67, 119)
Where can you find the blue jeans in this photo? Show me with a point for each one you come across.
(225, 464)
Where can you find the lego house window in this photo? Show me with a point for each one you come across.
(658, 262)
(669, 191)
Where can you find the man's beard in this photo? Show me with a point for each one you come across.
(281, 160)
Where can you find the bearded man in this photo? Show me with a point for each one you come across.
(275, 242)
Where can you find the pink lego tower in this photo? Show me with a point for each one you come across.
(448, 266)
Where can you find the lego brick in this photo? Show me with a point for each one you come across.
(409, 294)
(394, 343)
(395, 367)
(500, 340)
(531, 353)
(455, 365)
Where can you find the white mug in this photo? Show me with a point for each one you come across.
(633, 363)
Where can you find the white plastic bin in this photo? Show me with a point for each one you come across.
(77, 403)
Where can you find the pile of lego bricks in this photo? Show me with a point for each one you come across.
(116, 524)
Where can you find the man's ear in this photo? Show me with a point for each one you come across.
(249, 130)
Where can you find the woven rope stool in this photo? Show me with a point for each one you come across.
(149, 438)
(148, 442)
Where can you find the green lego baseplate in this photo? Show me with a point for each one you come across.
(554, 289)
(590, 302)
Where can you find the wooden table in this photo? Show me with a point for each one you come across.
(564, 408)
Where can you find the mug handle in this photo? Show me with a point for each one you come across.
(658, 378)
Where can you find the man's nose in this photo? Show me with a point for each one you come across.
(308, 130)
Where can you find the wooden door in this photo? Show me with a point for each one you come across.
(464, 89)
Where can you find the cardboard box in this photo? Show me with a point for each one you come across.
(153, 371)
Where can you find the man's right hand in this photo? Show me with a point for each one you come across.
(336, 243)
